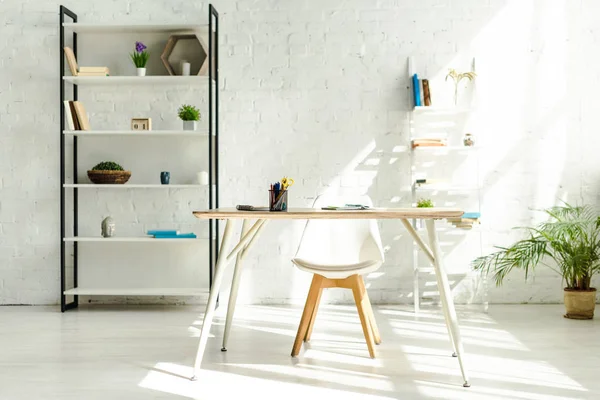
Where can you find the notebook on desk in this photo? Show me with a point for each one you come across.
(346, 207)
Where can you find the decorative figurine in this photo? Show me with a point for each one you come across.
(468, 140)
(108, 227)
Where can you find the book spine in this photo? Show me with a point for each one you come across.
(69, 116)
(416, 90)
(426, 93)
(180, 236)
(74, 116)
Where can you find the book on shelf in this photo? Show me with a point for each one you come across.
(178, 236)
(69, 116)
(93, 69)
(416, 90)
(426, 93)
(153, 232)
(71, 60)
(93, 74)
(82, 118)
(428, 143)
(73, 114)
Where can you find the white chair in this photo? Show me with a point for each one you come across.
(338, 253)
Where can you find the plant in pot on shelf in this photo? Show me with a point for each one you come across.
(424, 203)
(108, 172)
(140, 58)
(190, 116)
(568, 243)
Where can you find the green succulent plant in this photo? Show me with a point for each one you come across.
(424, 203)
(107, 166)
(188, 113)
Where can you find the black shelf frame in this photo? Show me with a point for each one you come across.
(213, 153)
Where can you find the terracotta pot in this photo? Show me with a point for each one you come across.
(580, 304)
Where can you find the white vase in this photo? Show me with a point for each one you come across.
(141, 71)
(202, 177)
(189, 125)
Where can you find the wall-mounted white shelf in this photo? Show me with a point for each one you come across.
(442, 110)
(86, 27)
(144, 134)
(137, 80)
(445, 148)
(132, 186)
(446, 188)
(139, 239)
(137, 291)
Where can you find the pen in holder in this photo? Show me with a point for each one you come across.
(278, 200)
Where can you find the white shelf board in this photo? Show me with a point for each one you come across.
(138, 80)
(130, 239)
(445, 148)
(131, 186)
(86, 27)
(446, 188)
(137, 291)
(442, 110)
(130, 133)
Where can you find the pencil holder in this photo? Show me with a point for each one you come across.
(278, 200)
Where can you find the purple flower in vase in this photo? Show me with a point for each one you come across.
(139, 47)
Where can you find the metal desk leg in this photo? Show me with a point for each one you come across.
(431, 258)
(236, 276)
(212, 298)
(446, 297)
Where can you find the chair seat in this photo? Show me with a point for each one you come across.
(337, 271)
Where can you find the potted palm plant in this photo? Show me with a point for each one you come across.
(568, 243)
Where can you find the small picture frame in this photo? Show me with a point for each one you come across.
(141, 124)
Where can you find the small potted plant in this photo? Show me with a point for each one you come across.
(108, 172)
(190, 116)
(140, 58)
(424, 203)
(570, 241)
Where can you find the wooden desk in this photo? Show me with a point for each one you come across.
(250, 234)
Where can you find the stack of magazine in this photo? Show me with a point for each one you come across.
(170, 234)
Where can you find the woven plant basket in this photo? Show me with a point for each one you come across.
(109, 177)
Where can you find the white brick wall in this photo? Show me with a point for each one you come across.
(323, 83)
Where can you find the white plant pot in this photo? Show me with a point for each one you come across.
(189, 125)
(141, 71)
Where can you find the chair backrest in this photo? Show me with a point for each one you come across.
(340, 241)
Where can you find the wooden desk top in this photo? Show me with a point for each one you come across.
(312, 213)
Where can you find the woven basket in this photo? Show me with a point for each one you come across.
(109, 177)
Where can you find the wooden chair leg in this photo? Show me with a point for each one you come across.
(373, 323)
(307, 313)
(311, 324)
(359, 292)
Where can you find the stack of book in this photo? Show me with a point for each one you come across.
(170, 234)
(421, 91)
(425, 142)
(466, 221)
(93, 71)
(77, 118)
(82, 71)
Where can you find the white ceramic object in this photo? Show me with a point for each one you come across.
(141, 71)
(202, 177)
(185, 68)
(190, 125)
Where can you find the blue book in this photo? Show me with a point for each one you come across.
(473, 215)
(162, 232)
(416, 90)
(178, 236)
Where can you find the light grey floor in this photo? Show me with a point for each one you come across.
(515, 352)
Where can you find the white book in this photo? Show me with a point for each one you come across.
(69, 116)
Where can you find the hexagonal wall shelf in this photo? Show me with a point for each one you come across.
(198, 56)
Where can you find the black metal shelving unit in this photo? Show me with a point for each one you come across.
(213, 153)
